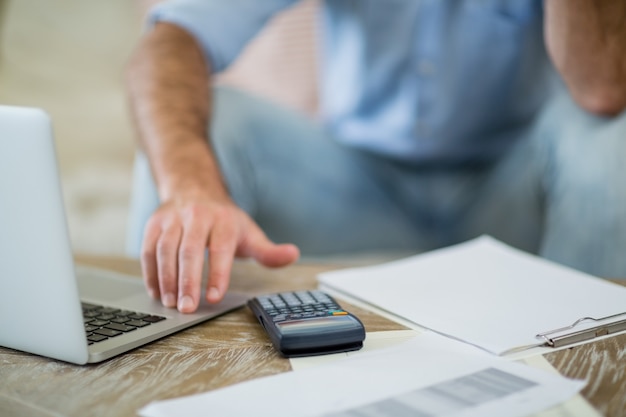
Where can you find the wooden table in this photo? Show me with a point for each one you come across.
(227, 350)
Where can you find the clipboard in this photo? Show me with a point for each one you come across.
(563, 337)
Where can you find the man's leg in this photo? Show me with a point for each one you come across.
(144, 200)
(300, 185)
(561, 193)
(585, 185)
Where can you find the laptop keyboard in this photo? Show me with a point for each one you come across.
(102, 323)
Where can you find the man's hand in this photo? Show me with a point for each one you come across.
(177, 237)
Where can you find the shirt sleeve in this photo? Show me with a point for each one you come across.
(222, 27)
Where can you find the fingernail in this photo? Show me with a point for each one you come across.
(214, 293)
(169, 300)
(153, 293)
(185, 303)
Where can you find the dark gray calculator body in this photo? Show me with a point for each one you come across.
(305, 323)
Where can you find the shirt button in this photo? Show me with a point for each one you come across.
(425, 68)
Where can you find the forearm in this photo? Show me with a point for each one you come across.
(586, 40)
(168, 85)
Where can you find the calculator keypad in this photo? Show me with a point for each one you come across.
(299, 305)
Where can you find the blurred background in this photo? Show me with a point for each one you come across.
(68, 57)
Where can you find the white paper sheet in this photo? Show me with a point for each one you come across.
(482, 292)
(577, 406)
(415, 370)
(373, 341)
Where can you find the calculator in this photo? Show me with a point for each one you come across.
(307, 323)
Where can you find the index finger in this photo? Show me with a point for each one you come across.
(191, 261)
(222, 245)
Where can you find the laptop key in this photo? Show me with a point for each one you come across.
(87, 306)
(137, 323)
(109, 310)
(124, 313)
(96, 338)
(108, 332)
(153, 319)
(120, 320)
(120, 327)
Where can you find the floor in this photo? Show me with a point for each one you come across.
(67, 56)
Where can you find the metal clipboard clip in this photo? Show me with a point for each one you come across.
(585, 334)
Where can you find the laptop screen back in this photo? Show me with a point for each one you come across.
(40, 309)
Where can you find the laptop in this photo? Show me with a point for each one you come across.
(49, 306)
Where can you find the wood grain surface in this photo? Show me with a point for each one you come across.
(227, 350)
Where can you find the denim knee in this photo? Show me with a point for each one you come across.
(583, 160)
(143, 202)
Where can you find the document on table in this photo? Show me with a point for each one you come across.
(576, 406)
(427, 375)
(484, 293)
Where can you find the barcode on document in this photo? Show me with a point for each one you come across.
(446, 397)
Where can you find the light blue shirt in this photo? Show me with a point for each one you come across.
(421, 80)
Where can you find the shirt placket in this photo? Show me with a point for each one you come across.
(425, 66)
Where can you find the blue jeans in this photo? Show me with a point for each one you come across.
(560, 192)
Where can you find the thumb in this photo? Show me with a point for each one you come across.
(256, 245)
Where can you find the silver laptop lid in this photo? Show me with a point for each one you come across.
(40, 310)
